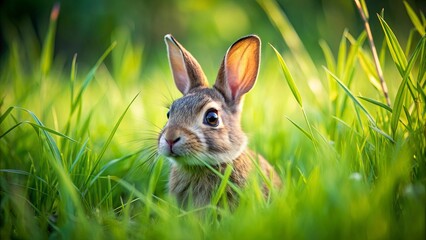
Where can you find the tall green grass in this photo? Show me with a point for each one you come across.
(78, 154)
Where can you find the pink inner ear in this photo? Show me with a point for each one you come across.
(187, 72)
(178, 66)
(180, 76)
(242, 63)
(233, 84)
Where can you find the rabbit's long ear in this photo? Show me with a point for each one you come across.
(239, 69)
(187, 72)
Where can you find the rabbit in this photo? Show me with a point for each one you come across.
(203, 126)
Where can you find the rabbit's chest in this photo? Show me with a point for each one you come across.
(198, 187)
(195, 188)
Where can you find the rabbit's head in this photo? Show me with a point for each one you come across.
(204, 125)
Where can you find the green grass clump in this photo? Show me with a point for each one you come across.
(78, 153)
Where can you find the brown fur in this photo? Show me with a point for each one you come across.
(190, 142)
(199, 183)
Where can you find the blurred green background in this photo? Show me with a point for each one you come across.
(356, 184)
(208, 27)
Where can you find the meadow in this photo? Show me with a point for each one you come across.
(347, 135)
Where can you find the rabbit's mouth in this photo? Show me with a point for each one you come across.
(169, 153)
(173, 155)
(185, 160)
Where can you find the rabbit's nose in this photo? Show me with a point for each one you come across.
(171, 142)
(172, 136)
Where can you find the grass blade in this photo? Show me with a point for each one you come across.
(422, 94)
(396, 52)
(49, 42)
(353, 52)
(90, 76)
(381, 132)
(5, 114)
(73, 76)
(144, 199)
(221, 189)
(400, 96)
(352, 97)
(364, 8)
(50, 141)
(219, 174)
(290, 37)
(368, 67)
(79, 156)
(349, 65)
(105, 146)
(377, 103)
(409, 119)
(341, 55)
(301, 129)
(154, 177)
(106, 167)
(421, 79)
(66, 188)
(21, 172)
(288, 77)
(328, 55)
(37, 126)
(331, 64)
(394, 47)
(415, 19)
(409, 42)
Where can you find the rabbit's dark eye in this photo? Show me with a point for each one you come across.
(211, 118)
(168, 114)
